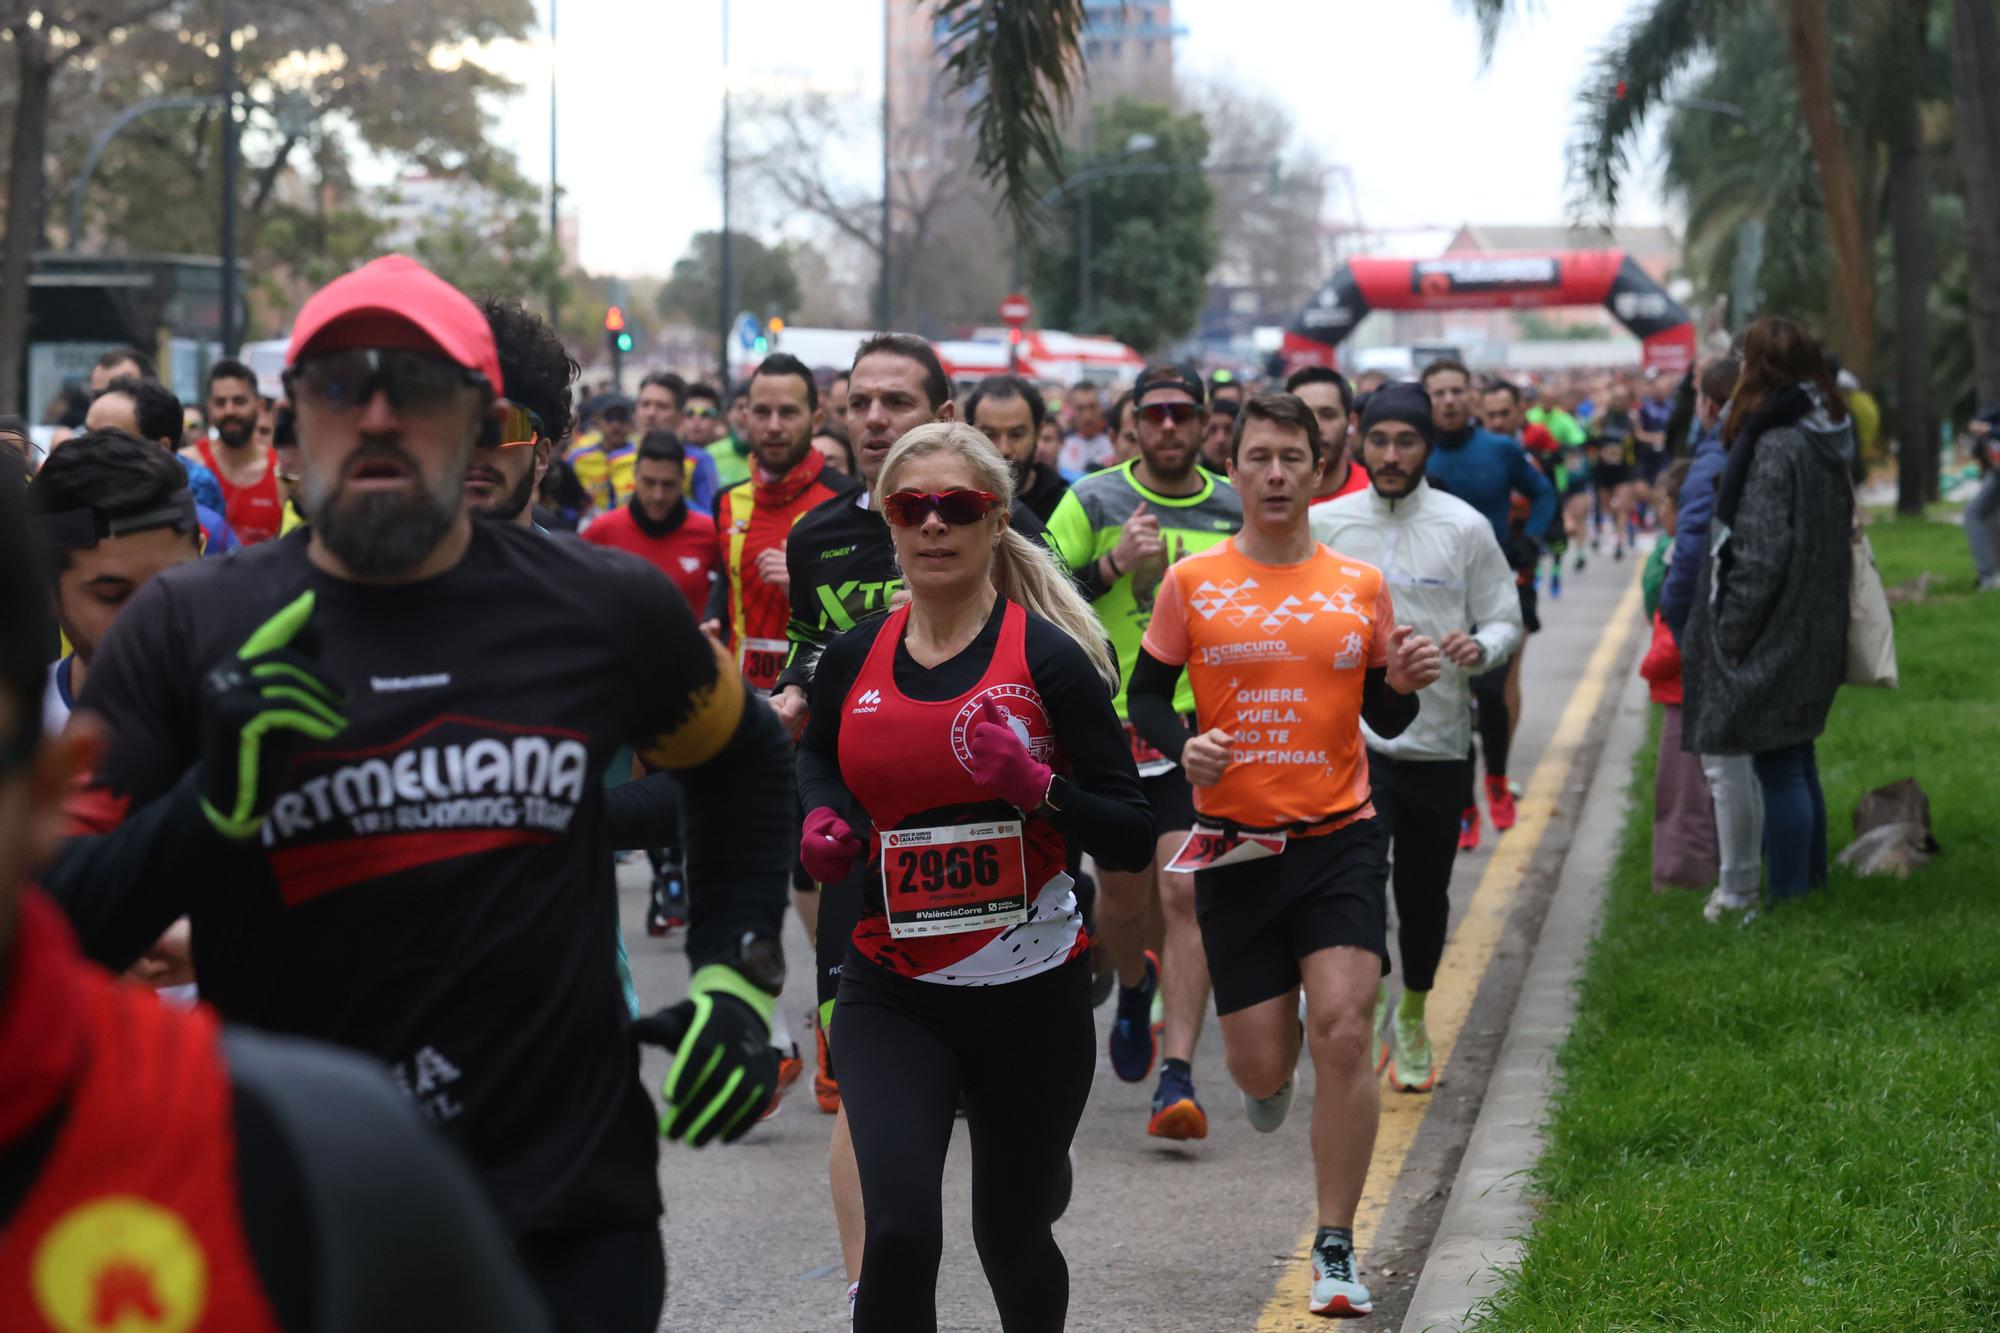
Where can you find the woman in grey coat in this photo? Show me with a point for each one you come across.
(1766, 644)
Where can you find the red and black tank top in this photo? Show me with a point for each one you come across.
(962, 889)
(253, 511)
(133, 1222)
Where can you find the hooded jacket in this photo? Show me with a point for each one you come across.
(1445, 572)
(1766, 644)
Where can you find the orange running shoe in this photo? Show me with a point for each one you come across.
(1500, 803)
(826, 1090)
(789, 1069)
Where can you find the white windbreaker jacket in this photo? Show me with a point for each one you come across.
(1445, 572)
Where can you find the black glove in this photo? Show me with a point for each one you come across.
(257, 709)
(725, 1070)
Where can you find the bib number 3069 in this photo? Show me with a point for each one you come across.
(953, 878)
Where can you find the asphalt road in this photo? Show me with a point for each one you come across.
(1159, 1236)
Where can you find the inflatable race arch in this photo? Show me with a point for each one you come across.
(1495, 282)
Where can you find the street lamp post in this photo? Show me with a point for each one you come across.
(232, 333)
(555, 240)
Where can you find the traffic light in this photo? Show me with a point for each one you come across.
(761, 346)
(616, 336)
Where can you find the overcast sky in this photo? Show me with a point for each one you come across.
(1394, 91)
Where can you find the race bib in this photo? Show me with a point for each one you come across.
(763, 659)
(1150, 762)
(954, 878)
(1207, 847)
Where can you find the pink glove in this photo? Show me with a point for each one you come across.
(1002, 765)
(828, 848)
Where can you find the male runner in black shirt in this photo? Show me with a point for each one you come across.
(379, 806)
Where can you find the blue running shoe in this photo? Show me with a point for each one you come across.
(1133, 1045)
(1176, 1114)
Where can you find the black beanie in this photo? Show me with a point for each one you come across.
(1407, 403)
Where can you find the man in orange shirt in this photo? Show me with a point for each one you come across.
(788, 478)
(1288, 646)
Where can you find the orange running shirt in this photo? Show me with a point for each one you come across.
(1277, 655)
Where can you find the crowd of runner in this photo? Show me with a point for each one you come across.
(1022, 706)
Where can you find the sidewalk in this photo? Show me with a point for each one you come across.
(1489, 1211)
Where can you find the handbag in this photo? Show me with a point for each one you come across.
(1871, 632)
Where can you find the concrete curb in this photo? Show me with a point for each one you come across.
(1490, 1211)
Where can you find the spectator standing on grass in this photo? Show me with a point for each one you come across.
(1684, 843)
(1732, 779)
(1982, 516)
(1766, 645)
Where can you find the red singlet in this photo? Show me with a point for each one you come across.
(253, 511)
(909, 765)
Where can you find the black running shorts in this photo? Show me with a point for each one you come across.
(1259, 918)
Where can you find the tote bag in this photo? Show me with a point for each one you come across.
(1871, 634)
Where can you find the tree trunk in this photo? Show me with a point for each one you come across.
(1975, 63)
(27, 173)
(1854, 267)
(1909, 224)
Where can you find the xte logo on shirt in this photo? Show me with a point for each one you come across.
(868, 702)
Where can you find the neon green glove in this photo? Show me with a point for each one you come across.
(257, 709)
(725, 1071)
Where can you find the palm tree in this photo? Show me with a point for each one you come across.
(1638, 70)
(1019, 61)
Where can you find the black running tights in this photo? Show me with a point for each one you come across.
(1021, 1055)
(1496, 727)
(1418, 802)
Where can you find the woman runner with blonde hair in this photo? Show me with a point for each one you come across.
(958, 742)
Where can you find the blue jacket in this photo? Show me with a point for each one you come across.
(1484, 470)
(1697, 508)
(703, 481)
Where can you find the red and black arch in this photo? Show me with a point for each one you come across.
(1495, 282)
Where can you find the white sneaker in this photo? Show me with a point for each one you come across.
(853, 1290)
(1720, 900)
(1335, 1292)
(1991, 583)
(1265, 1114)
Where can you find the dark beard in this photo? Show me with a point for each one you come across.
(235, 434)
(378, 535)
(508, 507)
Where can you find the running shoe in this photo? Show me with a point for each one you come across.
(1500, 803)
(1133, 1043)
(1335, 1290)
(1618, 551)
(853, 1290)
(1412, 1067)
(1578, 567)
(826, 1089)
(1468, 829)
(789, 1069)
(1556, 576)
(1266, 1114)
(1176, 1113)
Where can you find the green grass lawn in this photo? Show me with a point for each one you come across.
(1796, 1125)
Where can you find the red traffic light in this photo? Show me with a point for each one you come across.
(614, 320)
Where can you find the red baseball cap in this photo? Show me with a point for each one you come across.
(396, 302)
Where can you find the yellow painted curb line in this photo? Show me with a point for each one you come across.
(1466, 957)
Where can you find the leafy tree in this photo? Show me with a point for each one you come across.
(1151, 230)
(763, 279)
(313, 84)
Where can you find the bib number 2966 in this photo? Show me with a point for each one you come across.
(953, 878)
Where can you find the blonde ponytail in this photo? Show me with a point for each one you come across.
(1024, 571)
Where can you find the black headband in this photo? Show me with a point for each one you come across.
(81, 529)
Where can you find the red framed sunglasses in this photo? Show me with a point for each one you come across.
(908, 509)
